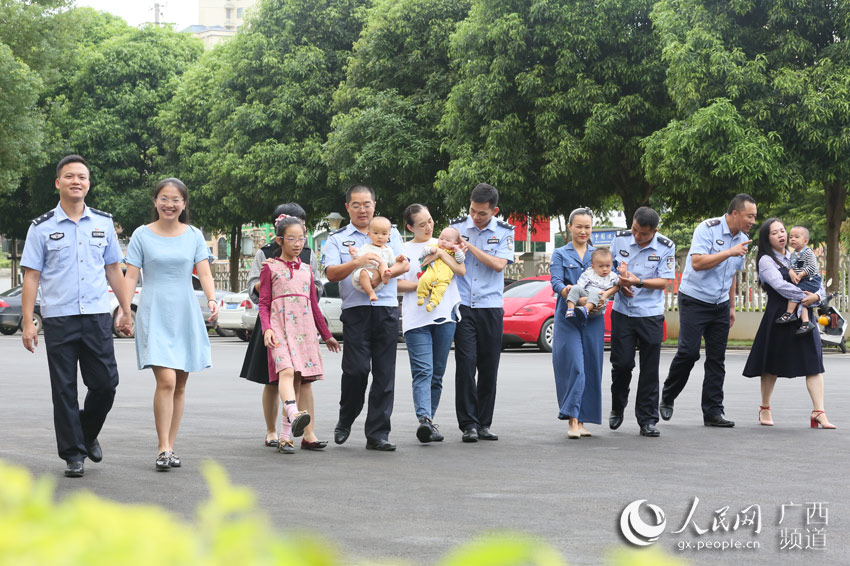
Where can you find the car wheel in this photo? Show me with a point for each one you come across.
(243, 335)
(7, 331)
(546, 332)
(224, 332)
(38, 323)
(842, 347)
(115, 330)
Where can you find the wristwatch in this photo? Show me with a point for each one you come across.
(639, 284)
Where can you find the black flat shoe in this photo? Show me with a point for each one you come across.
(470, 434)
(271, 443)
(423, 431)
(174, 461)
(163, 461)
(787, 318)
(341, 434)
(380, 445)
(300, 422)
(718, 421)
(649, 430)
(615, 420)
(666, 411)
(485, 434)
(435, 434)
(317, 445)
(74, 469)
(286, 446)
(805, 328)
(95, 453)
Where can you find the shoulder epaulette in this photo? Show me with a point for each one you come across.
(713, 221)
(457, 220)
(338, 231)
(46, 216)
(102, 213)
(665, 242)
(623, 233)
(503, 224)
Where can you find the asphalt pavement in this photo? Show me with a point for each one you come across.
(712, 486)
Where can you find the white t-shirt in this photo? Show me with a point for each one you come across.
(415, 316)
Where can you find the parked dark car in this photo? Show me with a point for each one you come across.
(11, 312)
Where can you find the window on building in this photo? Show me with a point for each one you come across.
(240, 12)
(228, 12)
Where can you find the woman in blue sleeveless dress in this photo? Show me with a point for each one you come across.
(577, 346)
(171, 337)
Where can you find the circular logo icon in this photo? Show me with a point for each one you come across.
(638, 532)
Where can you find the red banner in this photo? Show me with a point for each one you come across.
(539, 228)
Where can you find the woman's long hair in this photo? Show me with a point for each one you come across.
(764, 248)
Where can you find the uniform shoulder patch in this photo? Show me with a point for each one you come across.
(338, 231)
(46, 216)
(505, 225)
(665, 242)
(102, 213)
(623, 233)
(713, 221)
(457, 220)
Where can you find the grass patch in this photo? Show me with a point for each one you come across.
(673, 342)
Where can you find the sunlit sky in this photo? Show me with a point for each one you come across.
(182, 12)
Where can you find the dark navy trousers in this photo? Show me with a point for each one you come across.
(86, 340)
(478, 346)
(628, 333)
(698, 319)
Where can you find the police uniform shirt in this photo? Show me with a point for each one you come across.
(712, 285)
(335, 252)
(71, 257)
(482, 287)
(656, 260)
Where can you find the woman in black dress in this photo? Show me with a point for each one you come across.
(777, 351)
(257, 366)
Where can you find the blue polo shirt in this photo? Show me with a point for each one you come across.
(71, 257)
(335, 252)
(482, 287)
(655, 260)
(712, 285)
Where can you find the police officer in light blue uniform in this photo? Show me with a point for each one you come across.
(649, 263)
(369, 329)
(489, 247)
(71, 251)
(707, 307)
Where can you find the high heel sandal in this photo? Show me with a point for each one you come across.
(764, 422)
(815, 417)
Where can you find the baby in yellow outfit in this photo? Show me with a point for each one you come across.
(437, 275)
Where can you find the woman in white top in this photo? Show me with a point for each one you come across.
(428, 335)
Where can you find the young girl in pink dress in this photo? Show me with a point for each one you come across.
(290, 317)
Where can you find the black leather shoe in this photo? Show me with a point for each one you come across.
(615, 419)
(470, 434)
(74, 469)
(666, 411)
(435, 434)
(719, 421)
(423, 432)
(649, 430)
(485, 434)
(381, 445)
(341, 434)
(95, 453)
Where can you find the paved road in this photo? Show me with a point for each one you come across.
(412, 506)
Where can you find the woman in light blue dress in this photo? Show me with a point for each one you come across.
(171, 337)
(577, 347)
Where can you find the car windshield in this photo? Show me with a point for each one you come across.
(525, 289)
(13, 292)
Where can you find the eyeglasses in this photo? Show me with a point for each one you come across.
(163, 200)
(292, 240)
(364, 205)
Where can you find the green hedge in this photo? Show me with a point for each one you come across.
(85, 530)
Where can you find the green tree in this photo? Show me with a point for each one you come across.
(762, 90)
(387, 130)
(113, 101)
(552, 101)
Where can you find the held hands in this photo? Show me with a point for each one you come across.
(332, 344)
(125, 324)
(740, 250)
(269, 340)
